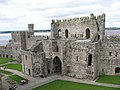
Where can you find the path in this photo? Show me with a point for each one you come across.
(39, 82)
(88, 82)
(35, 82)
(22, 74)
(42, 81)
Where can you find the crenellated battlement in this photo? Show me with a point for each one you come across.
(80, 19)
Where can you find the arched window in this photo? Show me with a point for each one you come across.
(87, 33)
(89, 59)
(66, 33)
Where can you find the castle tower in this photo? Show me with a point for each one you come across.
(31, 27)
(89, 27)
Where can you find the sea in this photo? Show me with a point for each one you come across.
(5, 37)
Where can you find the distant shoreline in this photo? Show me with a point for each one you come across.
(4, 37)
(1, 32)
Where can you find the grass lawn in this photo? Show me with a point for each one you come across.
(16, 78)
(67, 85)
(6, 72)
(5, 60)
(112, 79)
(17, 67)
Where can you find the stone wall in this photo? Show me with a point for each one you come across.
(1, 83)
(6, 51)
(80, 66)
(80, 46)
(76, 28)
(110, 55)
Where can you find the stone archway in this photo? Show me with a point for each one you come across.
(57, 65)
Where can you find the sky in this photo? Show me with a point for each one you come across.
(16, 14)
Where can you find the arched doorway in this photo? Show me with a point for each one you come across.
(117, 70)
(66, 33)
(87, 33)
(57, 65)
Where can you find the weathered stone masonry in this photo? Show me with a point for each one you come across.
(77, 47)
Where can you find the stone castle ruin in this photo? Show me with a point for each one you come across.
(77, 47)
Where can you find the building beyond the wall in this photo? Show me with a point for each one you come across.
(77, 47)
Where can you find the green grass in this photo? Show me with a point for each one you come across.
(111, 79)
(5, 60)
(6, 72)
(67, 85)
(17, 67)
(16, 78)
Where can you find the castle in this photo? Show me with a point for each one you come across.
(77, 48)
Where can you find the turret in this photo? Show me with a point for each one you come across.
(31, 27)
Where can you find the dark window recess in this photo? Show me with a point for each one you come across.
(116, 53)
(75, 35)
(87, 33)
(89, 59)
(102, 70)
(110, 53)
(28, 36)
(6, 56)
(26, 57)
(57, 49)
(66, 33)
(11, 56)
(98, 37)
(117, 70)
(76, 58)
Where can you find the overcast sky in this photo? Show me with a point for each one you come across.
(16, 14)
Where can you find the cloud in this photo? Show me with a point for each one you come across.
(16, 14)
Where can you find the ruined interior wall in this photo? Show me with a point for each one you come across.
(110, 55)
(33, 39)
(26, 61)
(33, 62)
(6, 51)
(79, 60)
(47, 48)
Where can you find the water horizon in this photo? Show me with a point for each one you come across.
(5, 37)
